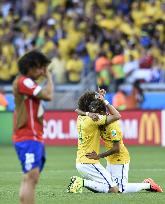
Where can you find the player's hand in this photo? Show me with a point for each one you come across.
(77, 111)
(92, 155)
(101, 93)
(94, 116)
(48, 74)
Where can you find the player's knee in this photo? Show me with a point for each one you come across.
(33, 176)
(114, 190)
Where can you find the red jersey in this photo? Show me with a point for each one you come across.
(28, 111)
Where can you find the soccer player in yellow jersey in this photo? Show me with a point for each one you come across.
(118, 159)
(95, 176)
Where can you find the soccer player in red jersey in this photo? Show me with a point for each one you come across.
(28, 130)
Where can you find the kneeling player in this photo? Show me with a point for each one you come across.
(95, 176)
(118, 160)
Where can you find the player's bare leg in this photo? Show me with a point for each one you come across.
(27, 189)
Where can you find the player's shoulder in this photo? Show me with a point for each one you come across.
(84, 119)
(114, 124)
(26, 81)
(21, 78)
(101, 120)
(87, 119)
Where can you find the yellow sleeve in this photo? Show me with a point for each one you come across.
(115, 135)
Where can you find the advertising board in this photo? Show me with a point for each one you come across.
(139, 127)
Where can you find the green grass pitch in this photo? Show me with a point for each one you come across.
(60, 166)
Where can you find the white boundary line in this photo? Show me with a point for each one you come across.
(63, 171)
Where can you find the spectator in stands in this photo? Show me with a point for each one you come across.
(3, 100)
(146, 59)
(131, 49)
(58, 68)
(136, 97)
(41, 8)
(74, 67)
(92, 47)
(4, 70)
(48, 47)
(109, 26)
(117, 69)
(119, 99)
(157, 72)
(102, 68)
(130, 68)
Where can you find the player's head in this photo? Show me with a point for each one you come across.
(33, 64)
(97, 106)
(85, 100)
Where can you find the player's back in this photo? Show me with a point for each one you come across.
(88, 137)
(113, 133)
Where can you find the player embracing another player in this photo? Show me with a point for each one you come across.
(96, 177)
(117, 154)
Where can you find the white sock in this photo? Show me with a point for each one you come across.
(96, 186)
(136, 187)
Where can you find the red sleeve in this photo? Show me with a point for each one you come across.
(28, 87)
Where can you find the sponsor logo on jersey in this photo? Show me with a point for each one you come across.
(113, 133)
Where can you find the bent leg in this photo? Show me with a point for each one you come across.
(96, 178)
(120, 176)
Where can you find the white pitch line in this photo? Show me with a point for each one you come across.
(59, 171)
(74, 170)
(147, 170)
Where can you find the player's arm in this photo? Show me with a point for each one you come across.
(114, 114)
(80, 112)
(113, 150)
(46, 92)
(94, 116)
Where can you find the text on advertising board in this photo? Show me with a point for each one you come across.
(149, 128)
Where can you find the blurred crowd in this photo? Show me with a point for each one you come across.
(121, 40)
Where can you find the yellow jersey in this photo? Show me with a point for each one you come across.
(110, 134)
(88, 137)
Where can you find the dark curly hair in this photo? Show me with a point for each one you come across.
(97, 106)
(31, 60)
(89, 102)
(85, 100)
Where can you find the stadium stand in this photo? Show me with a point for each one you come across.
(75, 34)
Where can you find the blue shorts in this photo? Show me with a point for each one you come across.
(31, 155)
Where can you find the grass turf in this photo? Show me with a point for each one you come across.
(60, 166)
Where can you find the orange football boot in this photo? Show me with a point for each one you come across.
(154, 186)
